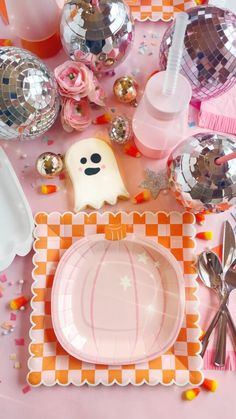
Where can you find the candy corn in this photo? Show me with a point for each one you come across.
(191, 394)
(19, 302)
(103, 119)
(131, 150)
(5, 43)
(210, 385)
(202, 334)
(205, 235)
(200, 218)
(48, 189)
(142, 197)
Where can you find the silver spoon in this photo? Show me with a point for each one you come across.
(228, 251)
(230, 285)
(210, 271)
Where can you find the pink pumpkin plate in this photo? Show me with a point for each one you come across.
(117, 301)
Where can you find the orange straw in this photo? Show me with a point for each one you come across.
(3, 12)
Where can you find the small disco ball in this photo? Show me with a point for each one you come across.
(99, 35)
(29, 101)
(209, 57)
(197, 181)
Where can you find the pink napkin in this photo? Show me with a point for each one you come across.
(219, 114)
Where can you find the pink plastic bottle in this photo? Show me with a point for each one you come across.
(36, 23)
(160, 120)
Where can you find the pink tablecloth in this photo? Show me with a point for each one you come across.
(101, 402)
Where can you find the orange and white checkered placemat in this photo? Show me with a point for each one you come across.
(49, 363)
(142, 9)
(155, 10)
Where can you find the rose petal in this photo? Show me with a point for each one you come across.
(76, 114)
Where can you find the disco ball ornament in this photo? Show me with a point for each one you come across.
(120, 131)
(98, 33)
(125, 90)
(209, 57)
(49, 165)
(29, 102)
(197, 181)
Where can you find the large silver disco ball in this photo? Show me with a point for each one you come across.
(29, 101)
(209, 58)
(99, 35)
(197, 181)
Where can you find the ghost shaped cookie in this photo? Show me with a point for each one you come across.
(94, 173)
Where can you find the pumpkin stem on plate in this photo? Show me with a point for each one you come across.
(115, 232)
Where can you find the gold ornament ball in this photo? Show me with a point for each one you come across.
(126, 90)
(49, 165)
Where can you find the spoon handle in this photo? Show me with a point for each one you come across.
(221, 341)
(209, 331)
(231, 325)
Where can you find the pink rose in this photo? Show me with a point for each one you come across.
(86, 58)
(97, 94)
(75, 115)
(74, 79)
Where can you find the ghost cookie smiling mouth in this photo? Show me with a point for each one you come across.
(92, 171)
(95, 158)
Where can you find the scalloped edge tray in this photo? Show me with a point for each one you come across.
(15, 212)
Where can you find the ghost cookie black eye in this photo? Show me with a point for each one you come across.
(83, 160)
(96, 158)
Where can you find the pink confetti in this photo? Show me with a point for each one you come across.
(20, 342)
(50, 142)
(62, 176)
(3, 278)
(26, 389)
(13, 317)
(196, 104)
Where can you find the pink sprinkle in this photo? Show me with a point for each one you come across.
(20, 342)
(196, 104)
(50, 142)
(13, 316)
(62, 176)
(26, 389)
(3, 278)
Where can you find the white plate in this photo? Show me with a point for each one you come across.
(16, 220)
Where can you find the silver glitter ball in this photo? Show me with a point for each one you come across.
(120, 130)
(209, 58)
(29, 101)
(197, 181)
(101, 36)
